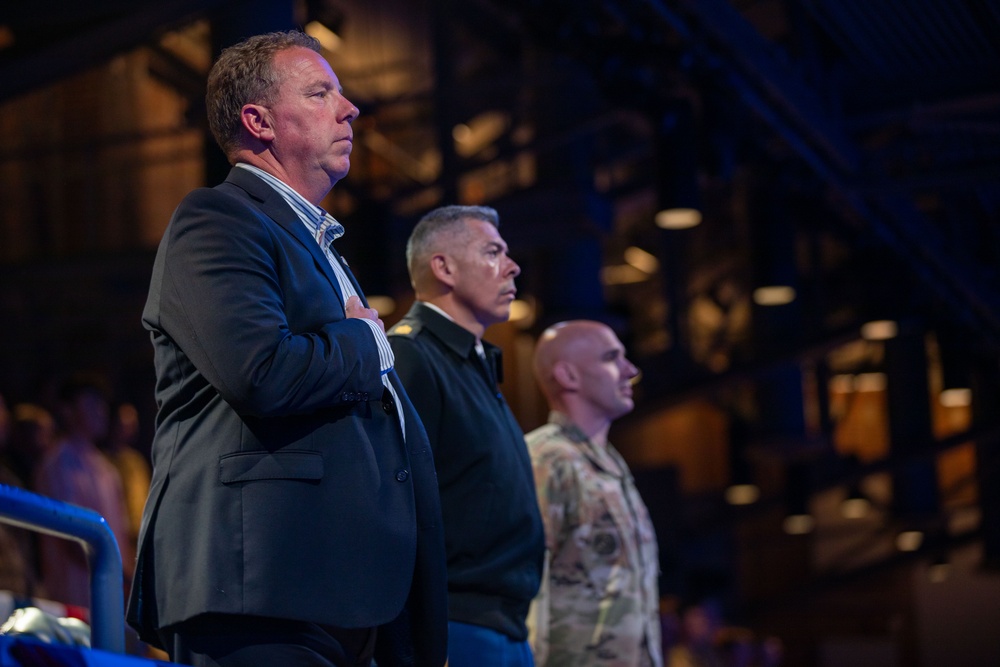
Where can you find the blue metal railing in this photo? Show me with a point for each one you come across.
(46, 515)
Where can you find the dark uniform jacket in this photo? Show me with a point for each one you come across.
(493, 530)
(282, 485)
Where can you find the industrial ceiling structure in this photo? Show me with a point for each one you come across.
(872, 125)
(844, 151)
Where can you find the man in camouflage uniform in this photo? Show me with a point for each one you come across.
(599, 602)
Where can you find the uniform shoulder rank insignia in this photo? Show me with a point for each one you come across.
(402, 329)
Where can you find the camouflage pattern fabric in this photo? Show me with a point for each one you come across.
(599, 601)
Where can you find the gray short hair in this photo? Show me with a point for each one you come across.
(426, 236)
(244, 74)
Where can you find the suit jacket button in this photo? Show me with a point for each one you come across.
(388, 405)
(402, 475)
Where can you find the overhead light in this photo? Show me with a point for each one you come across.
(856, 505)
(461, 133)
(879, 330)
(622, 274)
(522, 313)
(774, 295)
(642, 260)
(955, 364)
(742, 488)
(870, 381)
(798, 519)
(855, 508)
(327, 38)
(385, 305)
(678, 218)
(798, 524)
(909, 540)
(742, 494)
(956, 397)
(676, 170)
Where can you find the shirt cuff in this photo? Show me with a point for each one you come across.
(385, 357)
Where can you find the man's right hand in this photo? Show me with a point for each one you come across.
(355, 308)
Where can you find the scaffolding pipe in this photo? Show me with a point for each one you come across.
(45, 515)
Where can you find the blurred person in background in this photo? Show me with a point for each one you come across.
(16, 574)
(133, 468)
(32, 435)
(77, 472)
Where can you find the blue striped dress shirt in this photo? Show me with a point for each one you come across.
(325, 229)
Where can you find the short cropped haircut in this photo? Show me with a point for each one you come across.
(425, 238)
(244, 74)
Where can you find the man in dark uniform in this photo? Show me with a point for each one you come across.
(464, 282)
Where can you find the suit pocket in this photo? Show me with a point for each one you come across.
(250, 466)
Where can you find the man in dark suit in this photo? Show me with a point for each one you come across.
(293, 515)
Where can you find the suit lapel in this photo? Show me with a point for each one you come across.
(350, 274)
(274, 206)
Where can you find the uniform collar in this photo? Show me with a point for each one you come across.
(455, 336)
(605, 458)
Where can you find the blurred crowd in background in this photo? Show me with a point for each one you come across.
(77, 442)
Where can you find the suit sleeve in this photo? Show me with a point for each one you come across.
(224, 302)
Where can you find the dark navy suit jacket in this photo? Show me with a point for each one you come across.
(282, 485)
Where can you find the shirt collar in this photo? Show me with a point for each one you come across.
(480, 348)
(438, 309)
(569, 429)
(454, 335)
(607, 458)
(323, 226)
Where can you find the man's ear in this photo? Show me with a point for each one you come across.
(565, 375)
(443, 269)
(257, 121)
